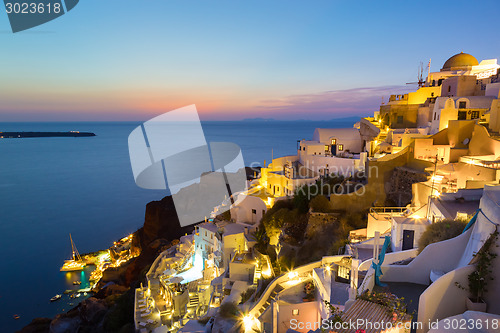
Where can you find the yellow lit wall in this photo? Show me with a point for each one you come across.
(421, 95)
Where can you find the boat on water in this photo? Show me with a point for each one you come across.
(75, 264)
(16, 316)
(78, 295)
(77, 282)
(56, 298)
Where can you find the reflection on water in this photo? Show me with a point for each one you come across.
(53, 186)
(67, 301)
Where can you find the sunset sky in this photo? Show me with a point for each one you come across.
(282, 59)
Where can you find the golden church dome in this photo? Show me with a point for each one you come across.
(460, 60)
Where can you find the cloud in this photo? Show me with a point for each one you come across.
(334, 103)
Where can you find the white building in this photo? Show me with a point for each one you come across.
(248, 209)
(331, 151)
(207, 240)
(462, 64)
(441, 265)
(459, 108)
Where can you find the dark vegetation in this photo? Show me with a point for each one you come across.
(229, 310)
(479, 278)
(264, 283)
(245, 296)
(118, 318)
(301, 241)
(440, 231)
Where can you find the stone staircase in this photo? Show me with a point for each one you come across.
(272, 297)
(257, 275)
(194, 300)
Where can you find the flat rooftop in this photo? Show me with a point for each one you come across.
(244, 258)
(450, 208)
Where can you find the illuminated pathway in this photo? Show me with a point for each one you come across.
(279, 284)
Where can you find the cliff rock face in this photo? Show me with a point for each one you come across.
(161, 229)
(87, 316)
(92, 310)
(161, 222)
(37, 325)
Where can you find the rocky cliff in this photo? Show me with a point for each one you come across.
(111, 309)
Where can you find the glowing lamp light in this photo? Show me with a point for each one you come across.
(416, 216)
(328, 268)
(437, 178)
(292, 275)
(267, 273)
(247, 321)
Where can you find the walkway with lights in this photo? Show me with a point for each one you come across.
(298, 275)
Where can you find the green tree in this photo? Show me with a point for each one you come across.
(261, 238)
(440, 231)
(320, 204)
(301, 198)
(229, 310)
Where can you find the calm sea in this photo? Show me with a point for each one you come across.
(50, 187)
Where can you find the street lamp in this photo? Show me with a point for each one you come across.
(250, 322)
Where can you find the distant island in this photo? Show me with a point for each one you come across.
(18, 135)
(259, 119)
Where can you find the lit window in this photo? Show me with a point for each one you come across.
(326, 148)
(334, 141)
(295, 312)
(341, 147)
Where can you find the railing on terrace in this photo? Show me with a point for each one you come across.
(495, 164)
(391, 211)
(387, 210)
(376, 211)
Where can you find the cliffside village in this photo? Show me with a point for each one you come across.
(434, 154)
